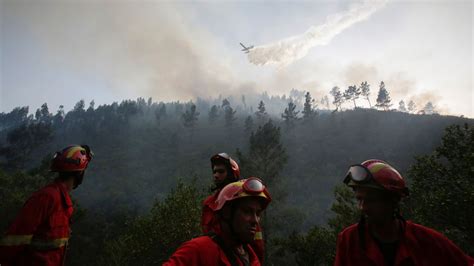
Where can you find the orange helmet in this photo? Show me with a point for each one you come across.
(251, 187)
(376, 174)
(228, 162)
(72, 158)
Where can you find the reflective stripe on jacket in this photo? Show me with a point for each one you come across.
(40, 232)
(203, 251)
(419, 246)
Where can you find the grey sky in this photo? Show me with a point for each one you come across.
(63, 51)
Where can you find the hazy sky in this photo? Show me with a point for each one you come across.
(62, 51)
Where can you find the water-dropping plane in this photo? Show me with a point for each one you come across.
(246, 49)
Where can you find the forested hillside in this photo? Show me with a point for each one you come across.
(144, 149)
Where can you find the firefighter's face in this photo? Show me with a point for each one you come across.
(219, 172)
(375, 204)
(246, 218)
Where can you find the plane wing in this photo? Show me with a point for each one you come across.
(246, 49)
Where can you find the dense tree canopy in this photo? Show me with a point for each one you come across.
(142, 149)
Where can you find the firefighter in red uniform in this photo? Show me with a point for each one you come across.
(382, 237)
(40, 233)
(237, 210)
(225, 170)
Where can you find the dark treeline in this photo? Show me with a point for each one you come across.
(144, 149)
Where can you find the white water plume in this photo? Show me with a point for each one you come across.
(286, 51)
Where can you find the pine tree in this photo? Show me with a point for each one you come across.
(190, 117)
(91, 106)
(401, 106)
(411, 107)
(266, 156)
(79, 106)
(59, 116)
(42, 114)
(225, 103)
(325, 102)
(261, 114)
(229, 116)
(365, 91)
(338, 98)
(213, 114)
(352, 93)
(308, 110)
(429, 108)
(290, 115)
(383, 98)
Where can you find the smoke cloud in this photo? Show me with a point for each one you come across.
(286, 51)
(134, 49)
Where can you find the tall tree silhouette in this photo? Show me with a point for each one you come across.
(383, 98)
(190, 117)
(213, 114)
(429, 108)
(338, 97)
(308, 110)
(365, 91)
(229, 116)
(352, 93)
(411, 106)
(261, 113)
(401, 106)
(290, 115)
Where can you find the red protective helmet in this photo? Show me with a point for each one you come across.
(72, 158)
(376, 174)
(251, 187)
(228, 162)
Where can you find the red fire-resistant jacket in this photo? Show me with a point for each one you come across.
(40, 232)
(203, 251)
(419, 245)
(210, 223)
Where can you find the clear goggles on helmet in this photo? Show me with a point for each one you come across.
(358, 173)
(253, 185)
(89, 152)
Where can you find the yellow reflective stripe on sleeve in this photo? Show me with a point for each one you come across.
(15, 240)
(49, 244)
(258, 236)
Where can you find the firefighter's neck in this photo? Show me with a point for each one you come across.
(69, 183)
(387, 230)
(230, 238)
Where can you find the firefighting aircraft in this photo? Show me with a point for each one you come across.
(246, 49)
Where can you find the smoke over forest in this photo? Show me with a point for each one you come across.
(145, 150)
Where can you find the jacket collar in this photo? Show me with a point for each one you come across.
(406, 239)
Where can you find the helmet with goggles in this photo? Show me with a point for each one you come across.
(376, 174)
(71, 159)
(231, 165)
(250, 187)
